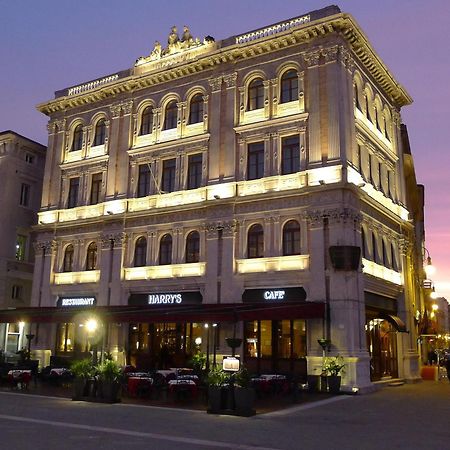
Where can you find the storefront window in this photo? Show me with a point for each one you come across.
(298, 338)
(266, 338)
(251, 339)
(66, 337)
(284, 338)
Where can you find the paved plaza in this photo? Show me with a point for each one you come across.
(404, 417)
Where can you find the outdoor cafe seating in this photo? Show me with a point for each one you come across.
(19, 379)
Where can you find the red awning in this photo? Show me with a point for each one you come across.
(228, 312)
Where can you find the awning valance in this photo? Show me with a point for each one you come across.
(225, 312)
(398, 323)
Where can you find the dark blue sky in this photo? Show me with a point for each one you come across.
(47, 45)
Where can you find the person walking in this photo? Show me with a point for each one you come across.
(447, 366)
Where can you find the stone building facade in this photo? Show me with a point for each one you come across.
(21, 173)
(255, 183)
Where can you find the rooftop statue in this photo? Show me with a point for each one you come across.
(174, 45)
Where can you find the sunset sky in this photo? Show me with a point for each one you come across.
(48, 45)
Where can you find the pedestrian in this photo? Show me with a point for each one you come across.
(447, 366)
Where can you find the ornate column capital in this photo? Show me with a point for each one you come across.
(215, 83)
(230, 80)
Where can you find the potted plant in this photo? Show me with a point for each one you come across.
(109, 376)
(333, 367)
(216, 381)
(198, 362)
(244, 394)
(82, 370)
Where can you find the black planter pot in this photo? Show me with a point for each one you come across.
(334, 384)
(215, 399)
(80, 388)
(109, 391)
(323, 383)
(244, 399)
(313, 383)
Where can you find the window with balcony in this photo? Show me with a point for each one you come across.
(74, 184)
(77, 141)
(289, 86)
(91, 257)
(171, 115)
(255, 242)
(255, 161)
(255, 95)
(193, 247)
(165, 250)
(290, 155)
(196, 109)
(140, 252)
(194, 175)
(68, 259)
(96, 188)
(143, 186)
(291, 238)
(168, 175)
(100, 132)
(146, 121)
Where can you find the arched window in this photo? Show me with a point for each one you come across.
(363, 242)
(255, 242)
(366, 99)
(68, 259)
(193, 247)
(196, 109)
(91, 258)
(77, 142)
(255, 95)
(384, 254)
(374, 248)
(291, 238)
(165, 250)
(146, 121)
(100, 132)
(356, 94)
(289, 86)
(170, 115)
(140, 252)
(394, 258)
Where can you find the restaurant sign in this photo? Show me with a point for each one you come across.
(274, 295)
(166, 299)
(68, 302)
(230, 364)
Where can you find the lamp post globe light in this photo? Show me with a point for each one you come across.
(91, 328)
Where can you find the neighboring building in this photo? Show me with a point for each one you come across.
(237, 182)
(22, 164)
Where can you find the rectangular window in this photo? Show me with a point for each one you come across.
(74, 184)
(29, 158)
(369, 175)
(96, 188)
(143, 187)
(25, 194)
(194, 175)
(380, 184)
(359, 160)
(16, 292)
(255, 161)
(290, 155)
(168, 176)
(21, 245)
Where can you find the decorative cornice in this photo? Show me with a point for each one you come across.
(338, 24)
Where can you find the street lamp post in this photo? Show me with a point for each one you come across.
(207, 347)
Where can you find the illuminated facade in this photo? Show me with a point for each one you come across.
(250, 171)
(21, 171)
